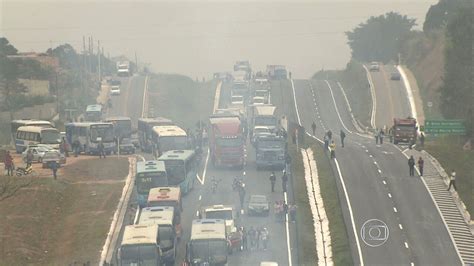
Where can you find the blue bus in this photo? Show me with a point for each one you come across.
(150, 174)
(181, 168)
(89, 134)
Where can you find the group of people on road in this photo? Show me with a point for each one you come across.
(254, 238)
(284, 181)
(379, 135)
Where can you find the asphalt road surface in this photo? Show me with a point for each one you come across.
(129, 103)
(378, 185)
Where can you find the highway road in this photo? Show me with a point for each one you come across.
(391, 97)
(377, 183)
(129, 103)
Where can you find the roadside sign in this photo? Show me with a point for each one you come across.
(453, 126)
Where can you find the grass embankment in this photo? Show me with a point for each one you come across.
(327, 180)
(181, 99)
(64, 221)
(448, 151)
(354, 81)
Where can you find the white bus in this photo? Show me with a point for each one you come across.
(208, 243)
(15, 124)
(30, 135)
(140, 246)
(89, 135)
(164, 217)
(166, 138)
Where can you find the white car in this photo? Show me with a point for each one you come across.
(260, 131)
(374, 66)
(115, 87)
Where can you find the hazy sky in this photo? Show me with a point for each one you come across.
(198, 38)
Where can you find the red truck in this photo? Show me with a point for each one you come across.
(226, 141)
(404, 130)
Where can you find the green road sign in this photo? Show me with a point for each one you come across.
(445, 126)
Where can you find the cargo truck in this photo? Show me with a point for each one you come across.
(270, 150)
(404, 130)
(226, 141)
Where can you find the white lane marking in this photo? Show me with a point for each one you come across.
(389, 195)
(366, 150)
(205, 169)
(406, 245)
(401, 227)
(412, 264)
(290, 263)
(135, 221)
(409, 91)
(374, 100)
(244, 173)
(197, 213)
(384, 182)
(296, 104)
(361, 259)
(217, 96)
(380, 171)
(395, 209)
(337, 109)
(375, 162)
(200, 197)
(145, 97)
(354, 122)
(370, 155)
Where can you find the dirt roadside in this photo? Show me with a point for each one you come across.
(64, 221)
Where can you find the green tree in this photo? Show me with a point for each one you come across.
(379, 38)
(9, 86)
(457, 91)
(439, 14)
(6, 48)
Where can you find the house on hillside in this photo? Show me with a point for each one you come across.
(44, 59)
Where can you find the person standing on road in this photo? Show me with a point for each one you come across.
(381, 135)
(284, 180)
(244, 238)
(326, 141)
(54, 167)
(8, 161)
(421, 163)
(264, 237)
(252, 234)
(101, 149)
(272, 181)
(411, 165)
(330, 134)
(422, 140)
(29, 158)
(313, 127)
(452, 180)
(343, 136)
(376, 136)
(332, 148)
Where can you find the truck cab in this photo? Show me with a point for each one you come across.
(404, 130)
(226, 141)
(270, 151)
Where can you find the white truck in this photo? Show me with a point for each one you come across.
(123, 69)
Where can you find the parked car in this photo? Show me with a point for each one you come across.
(374, 66)
(38, 153)
(258, 205)
(126, 146)
(53, 156)
(395, 75)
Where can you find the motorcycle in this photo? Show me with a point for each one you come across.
(24, 170)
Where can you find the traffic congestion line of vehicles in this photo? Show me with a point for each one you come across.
(160, 183)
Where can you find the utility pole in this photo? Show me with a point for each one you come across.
(136, 62)
(99, 55)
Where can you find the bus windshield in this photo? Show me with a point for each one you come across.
(224, 215)
(265, 121)
(214, 250)
(172, 143)
(139, 255)
(106, 132)
(166, 237)
(147, 181)
(176, 171)
(50, 136)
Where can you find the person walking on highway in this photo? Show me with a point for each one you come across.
(326, 141)
(343, 136)
(8, 161)
(264, 237)
(273, 181)
(332, 148)
(376, 136)
(421, 163)
(252, 235)
(452, 180)
(411, 165)
(381, 135)
(313, 127)
(29, 158)
(54, 167)
(101, 149)
(330, 134)
(422, 140)
(284, 181)
(244, 238)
